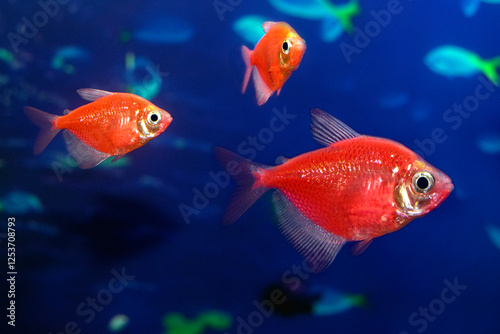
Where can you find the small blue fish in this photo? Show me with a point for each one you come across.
(454, 61)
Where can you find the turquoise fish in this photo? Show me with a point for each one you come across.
(454, 61)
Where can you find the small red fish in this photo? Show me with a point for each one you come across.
(355, 189)
(277, 54)
(112, 125)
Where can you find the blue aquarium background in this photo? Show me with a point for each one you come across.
(138, 246)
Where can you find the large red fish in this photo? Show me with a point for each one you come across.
(355, 189)
(277, 54)
(112, 125)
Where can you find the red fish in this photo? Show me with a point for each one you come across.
(277, 54)
(355, 189)
(112, 125)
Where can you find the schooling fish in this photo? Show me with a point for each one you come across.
(277, 54)
(355, 189)
(454, 61)
(112, 125)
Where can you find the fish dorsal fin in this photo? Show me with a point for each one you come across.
(91, 94)
(327, 130)
(84, 155)
(316, 244)
(267, 25)
(66, 111)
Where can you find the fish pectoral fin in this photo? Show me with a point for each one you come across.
(327, 130)
(361, 246)
(91, 94)
(267, 25)
(316, 244)
(262, 90)
(85, 156)
(118, 157)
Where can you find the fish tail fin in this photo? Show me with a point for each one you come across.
(248, 177)
(489, 69)
(47, 124)
(358, 300)
(344, 13)
(246, 53)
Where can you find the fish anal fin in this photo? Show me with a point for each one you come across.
(327, 129)
(316, 244)
(85, 156)
(262, 90)
(91, 94)
(267, 25)
(246, 54)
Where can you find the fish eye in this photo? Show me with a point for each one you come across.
(423, 181)
(154, 117)
(285, 47)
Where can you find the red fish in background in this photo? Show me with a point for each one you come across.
(277, 54)
(355, 189)
(112, 125)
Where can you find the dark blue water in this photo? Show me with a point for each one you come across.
(90, 226)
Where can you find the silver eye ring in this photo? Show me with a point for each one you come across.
(154, 117)
(423, 181)
(285, 47)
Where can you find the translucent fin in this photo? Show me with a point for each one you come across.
(246, 53)
(84, 155)
(470, 7)
(267, 25)
(247, 192)
(361, 246)
(317, 245)
(66, 111)
(262, 90)
(91, 94)
(48, 129)
(327, 130)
